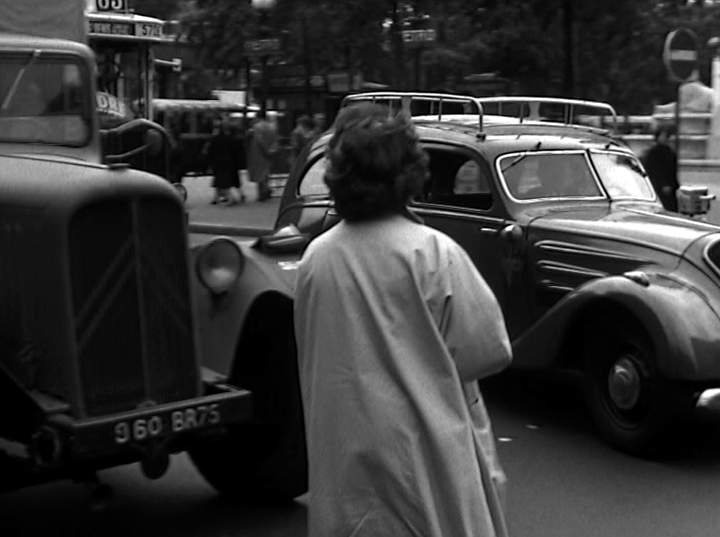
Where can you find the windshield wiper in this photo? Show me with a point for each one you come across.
(519, 158)
(516, 160)
(18, 78)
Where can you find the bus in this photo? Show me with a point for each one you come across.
(123, 43)
(191, 123)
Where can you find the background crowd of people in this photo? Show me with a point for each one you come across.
(232, 149)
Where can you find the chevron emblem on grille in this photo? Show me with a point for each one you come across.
(106, 290)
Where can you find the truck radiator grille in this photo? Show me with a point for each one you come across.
(131, 304)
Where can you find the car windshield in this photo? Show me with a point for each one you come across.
(622, 176)
(42, 101)
(539, 175)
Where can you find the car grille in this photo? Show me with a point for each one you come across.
(131, 305)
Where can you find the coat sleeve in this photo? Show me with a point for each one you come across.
(472, 323)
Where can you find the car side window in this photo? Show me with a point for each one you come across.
(457, 180)
(313, 181)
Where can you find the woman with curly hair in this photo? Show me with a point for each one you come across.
(394, 326)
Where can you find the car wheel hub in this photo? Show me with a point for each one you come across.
(624, 384)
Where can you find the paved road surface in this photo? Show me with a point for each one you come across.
(252, 214)
(563, 483)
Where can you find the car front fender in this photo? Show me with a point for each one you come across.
(683, 326)
(221, 318)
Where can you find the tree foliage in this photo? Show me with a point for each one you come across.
(610, 50)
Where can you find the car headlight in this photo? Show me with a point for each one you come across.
(219, 265)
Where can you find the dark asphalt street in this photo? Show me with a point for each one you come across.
(563, 483)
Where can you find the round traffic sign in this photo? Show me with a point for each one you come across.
(680, 54)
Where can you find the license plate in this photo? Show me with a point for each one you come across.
(168, 422)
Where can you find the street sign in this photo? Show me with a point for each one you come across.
(263, 47)
(418, 36)
(680, 54)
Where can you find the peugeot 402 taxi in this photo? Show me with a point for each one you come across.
(560, 218)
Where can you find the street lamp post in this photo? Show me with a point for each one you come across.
(263, 7)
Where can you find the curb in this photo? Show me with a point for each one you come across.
(224, 229)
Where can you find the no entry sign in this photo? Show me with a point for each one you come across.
(680, 54)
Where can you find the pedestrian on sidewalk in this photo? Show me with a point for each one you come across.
(224, 160)
(660, 162)
(319, 124)
(394, 326)
(262, 149)
(302, 134)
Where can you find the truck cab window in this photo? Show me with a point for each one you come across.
(42, 101)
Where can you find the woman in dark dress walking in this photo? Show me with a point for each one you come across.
(224, 159)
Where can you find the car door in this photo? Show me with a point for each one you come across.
(461, 200)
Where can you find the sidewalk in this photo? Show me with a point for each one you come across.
(251, 218)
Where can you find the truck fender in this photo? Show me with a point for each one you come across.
(683, 326)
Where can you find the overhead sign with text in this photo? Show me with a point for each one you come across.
(419, 37)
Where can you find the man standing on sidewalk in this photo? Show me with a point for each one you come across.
(660, 162)
(262, 148)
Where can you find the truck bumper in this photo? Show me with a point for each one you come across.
(163, 428)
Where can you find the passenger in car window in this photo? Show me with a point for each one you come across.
(394, 325)
(468, 179)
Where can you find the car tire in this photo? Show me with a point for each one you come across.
(264, 461)
(633, 407)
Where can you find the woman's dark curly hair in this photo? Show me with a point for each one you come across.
(376, 164)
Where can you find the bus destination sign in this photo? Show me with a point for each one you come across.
(126, 29)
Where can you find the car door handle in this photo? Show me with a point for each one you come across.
(510, 233)
(489, 231)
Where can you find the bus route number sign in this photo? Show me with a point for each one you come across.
(111, 5)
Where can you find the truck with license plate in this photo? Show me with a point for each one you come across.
(101, 361)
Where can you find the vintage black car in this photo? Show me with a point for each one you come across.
(559, 216)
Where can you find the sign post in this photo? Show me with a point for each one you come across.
(417, 39)
(680, 56)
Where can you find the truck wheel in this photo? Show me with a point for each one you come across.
(632, 406)
(265, 460)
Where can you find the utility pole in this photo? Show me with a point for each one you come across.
(569, 46)
(398, 48)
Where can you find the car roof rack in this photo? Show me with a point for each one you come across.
(527, 110)
(436, 103)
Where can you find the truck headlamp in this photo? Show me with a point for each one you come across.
(219, 265)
